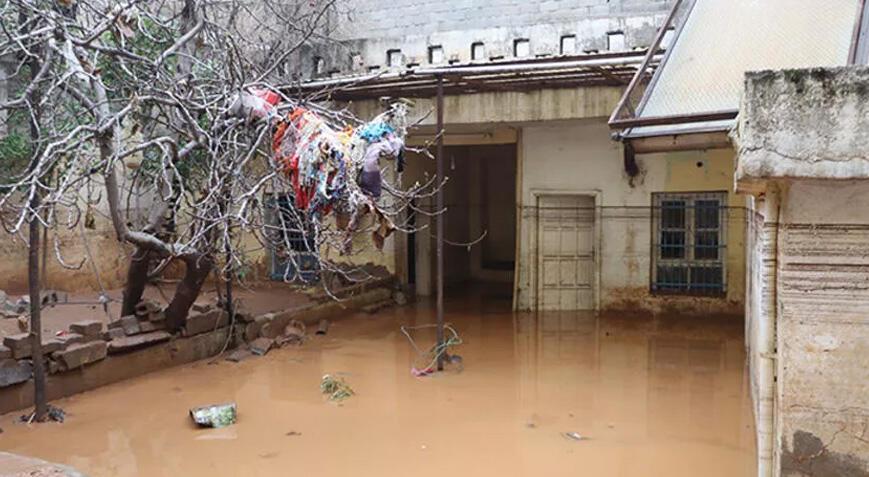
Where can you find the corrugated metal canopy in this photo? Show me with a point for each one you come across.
(720, 40)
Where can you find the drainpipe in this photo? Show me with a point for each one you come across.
(766, 339)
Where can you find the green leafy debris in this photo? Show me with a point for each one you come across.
(336, 388)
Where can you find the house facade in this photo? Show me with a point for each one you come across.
(654, 220)
(553, 205)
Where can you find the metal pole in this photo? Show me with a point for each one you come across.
(440, 219)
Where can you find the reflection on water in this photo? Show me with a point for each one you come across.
(663, 396)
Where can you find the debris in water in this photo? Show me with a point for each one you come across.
(293, 434)
(336, 388)
(455, 360)
(430, 357)
(261, 346)
(421, 372)
(217, 415)
(323, 327)
(55, 414)
(294, 333)
(575, 436)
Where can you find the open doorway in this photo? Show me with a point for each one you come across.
(480, 199)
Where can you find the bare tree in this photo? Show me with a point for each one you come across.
(175, 104)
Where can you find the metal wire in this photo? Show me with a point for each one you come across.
(431, 356)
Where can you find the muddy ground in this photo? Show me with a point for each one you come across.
(649, 396)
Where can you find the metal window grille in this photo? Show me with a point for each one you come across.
(293, 242)
(689, 243)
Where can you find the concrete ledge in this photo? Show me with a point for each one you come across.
(803, 123)
(178, 351)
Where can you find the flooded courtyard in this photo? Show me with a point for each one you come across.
(650, 396)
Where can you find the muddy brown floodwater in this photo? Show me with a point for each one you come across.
(663, 396)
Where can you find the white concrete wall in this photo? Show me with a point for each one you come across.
(367, 29)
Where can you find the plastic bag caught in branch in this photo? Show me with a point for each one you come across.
(255, 105)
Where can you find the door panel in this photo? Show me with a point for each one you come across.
(565, 232)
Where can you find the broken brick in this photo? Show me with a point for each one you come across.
(244, 316)
(158, 317)
(146, 307)
(54, 367)
(130, 343)
(204, 322)
(87, 328)
(130, 325)
(149, 326)
(113, 333)
(261, 346)
(69, 339)
(52, 345)
(81, 354)
(255, 329)
(14, 372)
(19, 344)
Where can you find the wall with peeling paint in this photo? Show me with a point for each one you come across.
(366, 30)
(801, 142)
(822, 328)
(67, 267)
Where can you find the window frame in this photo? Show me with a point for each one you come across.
(688, 261)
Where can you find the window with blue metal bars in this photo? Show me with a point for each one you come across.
(689, 247)
(293, 251)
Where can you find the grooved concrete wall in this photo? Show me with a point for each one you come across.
(368, 29)
(823, 329)
(802, 136)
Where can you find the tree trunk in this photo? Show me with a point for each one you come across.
(188, 290)
(137, 279)
(40, 402)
